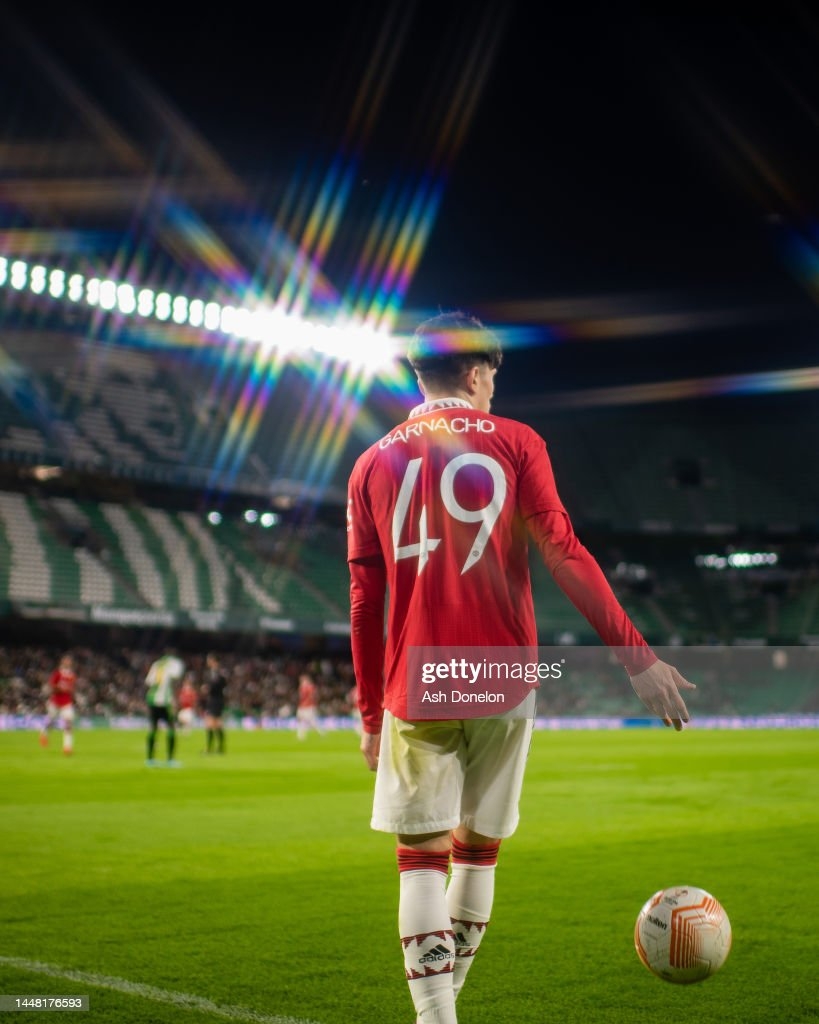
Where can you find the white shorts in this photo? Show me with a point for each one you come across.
(433, 776)
(185, 716)
(64, 713)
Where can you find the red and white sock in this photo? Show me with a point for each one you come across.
(426, 934)
(469, 898)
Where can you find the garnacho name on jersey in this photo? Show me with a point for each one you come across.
(455, 425)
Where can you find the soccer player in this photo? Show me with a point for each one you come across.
(60, 704)
(440, 511)
(187, 699)
(215, 686)
(161, 680)
(307, 710)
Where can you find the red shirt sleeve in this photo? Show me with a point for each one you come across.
(581, 579)
(368, 588)
(537, 490)
(362, 534)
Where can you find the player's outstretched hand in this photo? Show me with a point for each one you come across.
(658, 687)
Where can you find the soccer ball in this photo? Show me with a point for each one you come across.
(682, 934)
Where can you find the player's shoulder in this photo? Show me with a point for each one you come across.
(516, 431)
(364, 462)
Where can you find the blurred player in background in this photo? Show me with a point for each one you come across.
(60, 703)
(162, 678)
(307, 710)
(440, 512)
(213, 690)
(187, 699)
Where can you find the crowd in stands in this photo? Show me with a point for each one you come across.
(111, 683)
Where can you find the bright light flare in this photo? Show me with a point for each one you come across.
(366, 349)
(369, 350)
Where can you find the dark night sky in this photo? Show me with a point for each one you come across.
(616, 163)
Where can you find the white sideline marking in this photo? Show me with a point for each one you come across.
(157, 995)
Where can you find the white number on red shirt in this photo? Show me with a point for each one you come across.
(486, 516)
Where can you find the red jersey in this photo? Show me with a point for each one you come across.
(62, 682)
(445, 503)
(187, 696)
(308, 693)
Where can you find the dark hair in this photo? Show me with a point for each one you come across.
(446, 345)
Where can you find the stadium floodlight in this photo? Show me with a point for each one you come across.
(214, 518)
(752, 559)
(369, 349)
(213, 316)
(326, 340)
(145, 302)
(76, 287)
(265, 325)
(108, 295)
(227, 319)
(126, 299)
(251, 515)
(737, 560)
(56, 283)
(242, 324)
(19, 275)
(293, 335)
(179, 313)
(268, 519)
(38, 279)
(358, 345)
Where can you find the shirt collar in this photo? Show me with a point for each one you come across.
(439, 403)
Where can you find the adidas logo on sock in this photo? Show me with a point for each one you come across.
(436, 955)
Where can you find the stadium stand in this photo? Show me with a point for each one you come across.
(30, 571)
(173, 414)
(110, 559)
(708, 468)
(73, 553)
(142, 440)
(320, 555)
(142, 565)
(213, 562)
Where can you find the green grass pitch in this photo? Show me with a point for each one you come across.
(250, 887)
